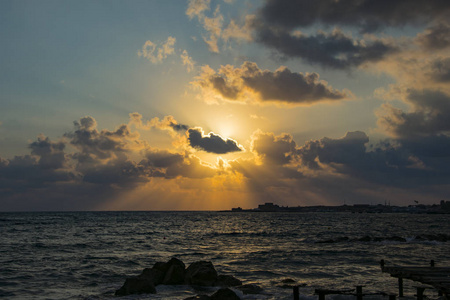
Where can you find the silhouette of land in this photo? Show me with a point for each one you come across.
(442, 208)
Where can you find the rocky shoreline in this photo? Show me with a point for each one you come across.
(174, 272)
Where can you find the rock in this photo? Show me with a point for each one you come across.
(288, 280)
(155, 275)
(201, 273)
(250, 289)
(227, 281)
(224, 294)
(161, 266)
(176, 272)
(136, 285)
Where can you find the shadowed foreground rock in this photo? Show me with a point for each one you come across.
(201, 273)
(174, 272)
(250, 289)
(136, 285)
(171, 272)
(227, 280)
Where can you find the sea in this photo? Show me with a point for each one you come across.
(88, 255)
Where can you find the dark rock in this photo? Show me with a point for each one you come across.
(227, 281)
(225, 294)
(136, 285)
(288, 280)
(176, 272)
(201, 273)
(250, 289)
(155, 275)
(161, 266)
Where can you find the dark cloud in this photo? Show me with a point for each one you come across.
(179, 127)
(279, 150)
(441, 70)
(330, 170)
(429, 116)
(367, 15)
(98, 165)
(94, 144)
(436, 37)
(282, 86)
(212, 142)
(345, 150)
(51, 154)
(220, 85)
(162, 159)
(333, 50)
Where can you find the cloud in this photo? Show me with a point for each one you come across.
(429, 115)
(235, 32)
(367, 15)
(89, 164)
(279, 150)
(187, 61)
(51, 154)
(167, 123)
(212, 142)
(196, 8)
(156, 53)
(214, 25)
(88, 167)
(334, 50)
(440, 70)
(250, 82)
(436, 37)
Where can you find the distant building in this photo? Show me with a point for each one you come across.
(445, 205)
(268, 206)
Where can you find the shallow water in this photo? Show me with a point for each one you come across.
(88, 255)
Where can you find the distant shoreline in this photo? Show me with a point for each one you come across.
(442, 208)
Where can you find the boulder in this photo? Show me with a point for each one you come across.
(201, 273)
(176, 271)
(136, 285)
(250, 289)
(227, 281)
(155, 275)
(224, 294)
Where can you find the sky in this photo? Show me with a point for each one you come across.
(209, 105)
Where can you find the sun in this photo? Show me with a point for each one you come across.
(226, 129)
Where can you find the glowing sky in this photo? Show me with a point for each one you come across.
(206, 105)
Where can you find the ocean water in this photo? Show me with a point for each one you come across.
(88, 255)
